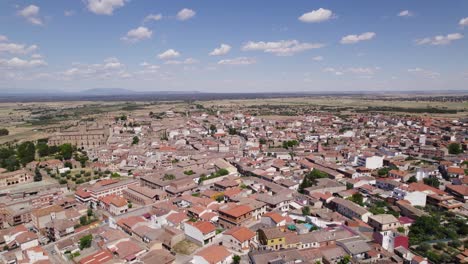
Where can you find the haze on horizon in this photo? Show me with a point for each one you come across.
(235, 46)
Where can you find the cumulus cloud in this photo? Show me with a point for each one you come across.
(31, 14)
(352, 39)
(463, 22)
(316, 16)
(405, 13)
(21, 63)
(281, 48)
(222, 50)
(153, 17)
(181, 62)
(104, 7)
(3, 38)
(15, 48)
(169, 54)
(110, 68)
(137, 34)
(238, 61)
(185, 14)
(317, 58)
(424, 72)
(439, 40)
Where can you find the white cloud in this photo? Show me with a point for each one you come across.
(424, 73)
(352, 39)
(333, 70)
(69, 13)
(179, 62)
(153, 17)
(138, 34)
(3, 38)
(439, 40)
(14, 48)
(405, 13)
(20, 63)
(110, 68)
(282, 47)
(317, 58)
(169, 54)
(361, 71)
(238, 61)
(104, 7)
(463, 22)
(316, 16)
(112, 63)
(36, 56)
(222, 50)
(185, 14)
(31, 14)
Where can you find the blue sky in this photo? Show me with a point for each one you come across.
(234, 46)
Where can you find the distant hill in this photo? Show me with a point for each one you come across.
(121, 91)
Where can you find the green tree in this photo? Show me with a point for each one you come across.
(345, 260)
(306, 210)
(66, 150)
(37, 175)
(89, 212)
(262, 141)
(236, 259)
(383, 171)
(83, 220)
(26, 152)
(85, 242)
(434, 182)
(454, 148)
(42, 149)
(357, 198)
(135, 140)
(412, 179)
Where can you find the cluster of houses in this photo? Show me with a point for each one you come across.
(236, 188)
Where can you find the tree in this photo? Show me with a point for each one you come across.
(262, 141)
(357, 198)
(37, 175)
(383, 171)
(454, 148)
(306, 210)
(26, 152)
(168, 177)
(4, 132)
(66, 150)
(68, 164)
(434, 182)
(412, 179)
(345, 260)
(42, 149)
(85, 242)
(83, 220)
(135, 140)
(236, 259)
(89, 212)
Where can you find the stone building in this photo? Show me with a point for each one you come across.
(83, 136)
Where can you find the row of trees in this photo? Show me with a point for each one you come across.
(13, 157)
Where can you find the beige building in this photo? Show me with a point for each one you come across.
(42, 216)
(15, 177)
(83, 136)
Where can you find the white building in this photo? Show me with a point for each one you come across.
(372, 162)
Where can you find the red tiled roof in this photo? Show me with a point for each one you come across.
(203, 226)
(214, 254)
(99, 257)
(240, 233)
